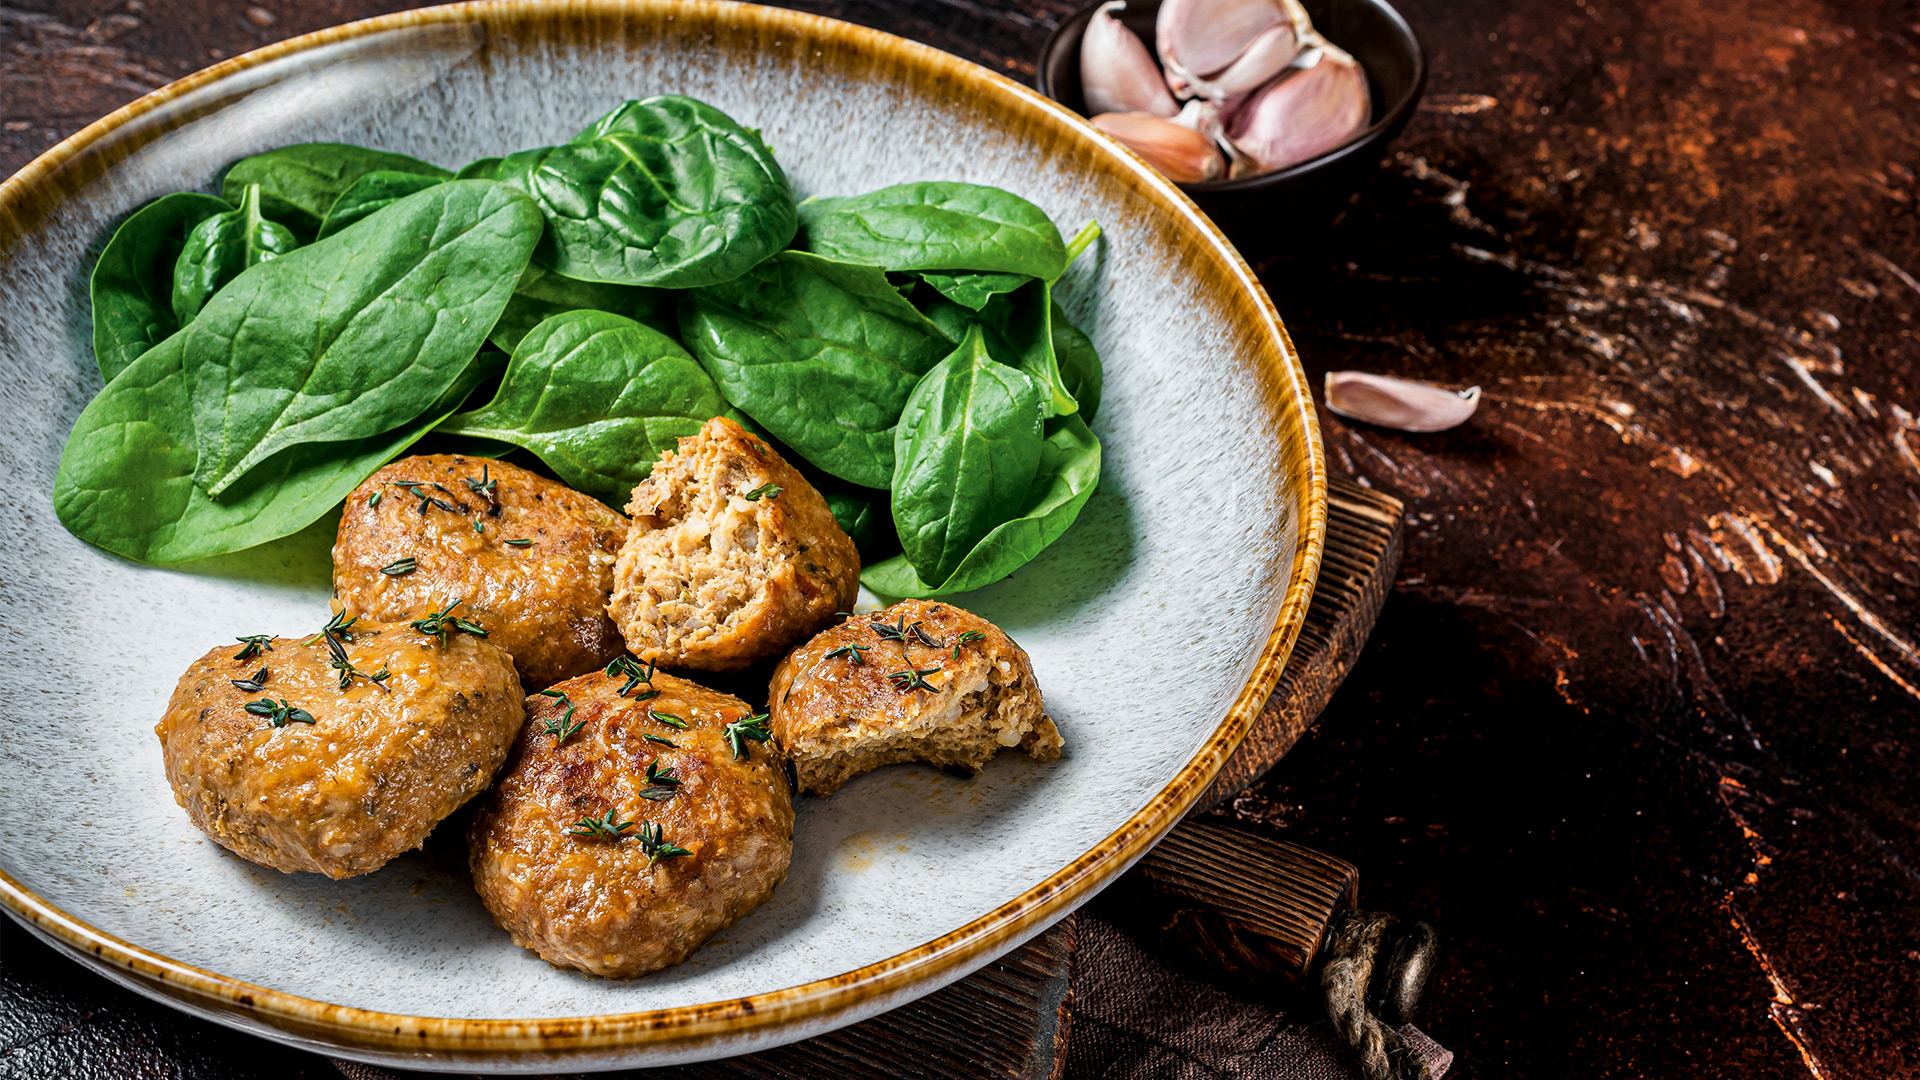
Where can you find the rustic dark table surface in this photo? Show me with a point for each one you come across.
(1637, 730)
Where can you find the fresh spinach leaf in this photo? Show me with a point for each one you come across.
(1019, 333)
(220, 247)
(972, 291)
(355, 334)
(125, 481)
(936, 225)
(859, 517)
(823, 354)
(543, 294)
(1069, 471)
(1079, 363)
(965, 453)
(487, 168)
(668, 192)
(299, 183)
(598, 396)
(132, 284)
(372, 192)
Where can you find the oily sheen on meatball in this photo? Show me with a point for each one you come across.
(528, 558)
(332, 781)
(627, 830)
(732, 556)
(921, 681)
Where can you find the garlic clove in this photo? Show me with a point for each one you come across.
(1117, 73)
(1398, 403)
(1200, 39)
(1204, 116)
(1318, 105)
(1266, 56)
(1182, 154)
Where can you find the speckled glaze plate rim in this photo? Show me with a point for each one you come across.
(823, 1004)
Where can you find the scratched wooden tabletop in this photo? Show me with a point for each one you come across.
(1637, 730)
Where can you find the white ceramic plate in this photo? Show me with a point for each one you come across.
(1157, 624)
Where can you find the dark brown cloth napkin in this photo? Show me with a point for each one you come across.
(1136, 1019)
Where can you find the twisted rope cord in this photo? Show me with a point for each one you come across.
(1384, 1054)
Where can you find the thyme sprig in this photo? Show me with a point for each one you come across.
(337, 660)
(661, 739)
(339, 626)
(914, 679)
(252, 684)
(427, 501)
(609, 826)
(667, 718)
(279, 714)
(892, 631)
(405, 565)
(437, 624)
(484, 487)
(764, 491)
(656, 845)
(635, 673)
(851, 652)
(920, 632)
(750, 727)
(560, 726)
(254, 643)
(966, 638)
(661, 783)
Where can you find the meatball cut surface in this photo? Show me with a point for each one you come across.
(732, 556)
(921, 681)
(349, 778)
(618, 839)
(529, 559)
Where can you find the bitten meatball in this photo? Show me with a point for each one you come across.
(529, 559)
(732, 556)
(279, 764)
(920, 681)
(629, 829)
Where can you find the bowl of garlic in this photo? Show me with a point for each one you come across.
(1268, 113)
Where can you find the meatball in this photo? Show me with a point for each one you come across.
(732, 556)
(920, 681)
(629, 829)
(279, 764)
(529, 559)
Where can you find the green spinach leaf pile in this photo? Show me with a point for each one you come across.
(266, 350)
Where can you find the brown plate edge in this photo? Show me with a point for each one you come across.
(685, 1029)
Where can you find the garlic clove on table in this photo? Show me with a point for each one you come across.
(1314, 107)
(1398, 403)
(1182, 154)
(1217, 48)
(1117, 73)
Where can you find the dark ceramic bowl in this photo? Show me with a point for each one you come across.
(1260, 212)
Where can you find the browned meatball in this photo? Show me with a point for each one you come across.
(732, 556)
(529, 559)
(618, 840)
(920, 681)
(291, 771)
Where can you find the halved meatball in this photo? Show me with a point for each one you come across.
(732, 556)
(921, 681)
(529, 559)
(629, 829)
(275, 761)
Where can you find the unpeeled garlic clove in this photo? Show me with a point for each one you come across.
(1203, 116)
(1182, 154)
(1117, 74)
(1315, 107)
(1398, 403)
(1218, 48)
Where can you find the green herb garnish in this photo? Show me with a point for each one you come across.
(400, 566)
(966, 638)
(752, 727)
(851, 651)
(914, 679)
(279, 714)
(667, 718)
(373, 500)
(661, 739)
(254, 643)
(518, 543)
(253, 684)
(920, 632)
(609, 826)
(436, 624)
(661, 785)
(635, 672)
(337, 660)
(559, 726)
(892, 631)
(656, 845)
(764, 491)
(483, 486)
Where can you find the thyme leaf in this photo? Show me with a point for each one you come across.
(254, 643)
(279, 714)
(852, 652)
(764, 491)
(657, 846)
(253, 684)
(667, 718)
(609, 826)
(751, 727)
(914, 679)
(400, 566)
